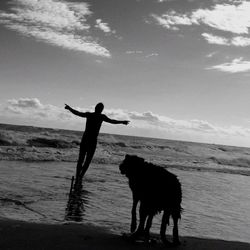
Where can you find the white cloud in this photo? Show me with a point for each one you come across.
(25, 103)
(232, 17)
(162, 1)
(103, 26)
(212, 54)
(236, 66)
(152, 54)
(134, 52)
(238, 41)
(215, 39)
(67, 41)
(171, 20)
(199, 128)
(59, 23)
(55, 14)
(157, 122)
(146, 116)
(32, 110)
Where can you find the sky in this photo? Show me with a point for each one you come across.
(177, 69)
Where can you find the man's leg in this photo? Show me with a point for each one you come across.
(89, 155)
(82, 154)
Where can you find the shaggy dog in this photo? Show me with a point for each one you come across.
(157, 190)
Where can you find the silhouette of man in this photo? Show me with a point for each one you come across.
(89, 138)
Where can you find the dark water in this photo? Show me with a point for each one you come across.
(216, 204)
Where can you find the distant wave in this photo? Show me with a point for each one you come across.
(6, 140)
(238, 162)
(44, 142)
(143, 146)
(113, 144)
(207, 169)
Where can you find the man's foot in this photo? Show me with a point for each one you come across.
(78, 185)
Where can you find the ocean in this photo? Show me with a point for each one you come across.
(214, 178)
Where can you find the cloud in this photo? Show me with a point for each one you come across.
(162, 1)
(232, 17)
(33, 110)
(152, 54)
(156, 122)
(215, 39)
(171, 20)
(25, 103)
(59, 23)
(103, 26)
(146, 116)
(203, 126)
(239, 41)
(212, 54)
(236, 66)
(134, 52)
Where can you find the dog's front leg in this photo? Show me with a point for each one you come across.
(140, 230)
(133, 214)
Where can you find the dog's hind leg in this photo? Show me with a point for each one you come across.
(176, 240)
(148, 226)
(164, 223)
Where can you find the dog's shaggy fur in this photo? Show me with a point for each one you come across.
(157, 190)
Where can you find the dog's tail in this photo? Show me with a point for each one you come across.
(177, 212)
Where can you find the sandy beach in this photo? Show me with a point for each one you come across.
(23, 235)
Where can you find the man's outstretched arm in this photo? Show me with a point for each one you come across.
(75, 112)
(113, 121)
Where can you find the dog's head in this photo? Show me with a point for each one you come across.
(130, 164)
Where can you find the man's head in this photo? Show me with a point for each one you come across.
(99, 108)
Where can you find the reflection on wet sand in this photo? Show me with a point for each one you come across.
(75, 208)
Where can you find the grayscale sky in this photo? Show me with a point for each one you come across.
(177, 69)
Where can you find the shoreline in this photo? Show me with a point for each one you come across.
(26, 235)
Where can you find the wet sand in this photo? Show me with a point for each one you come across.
(23, 235)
